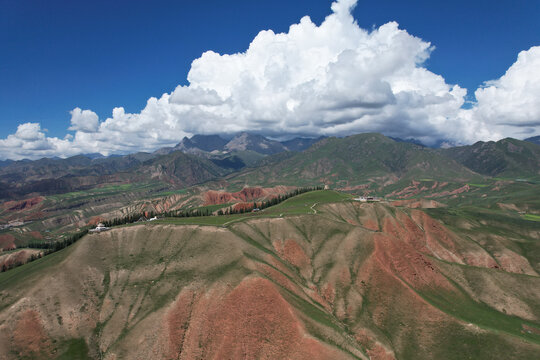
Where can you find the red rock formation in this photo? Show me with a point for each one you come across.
(23, 204)
(212, 197)
(247, 194)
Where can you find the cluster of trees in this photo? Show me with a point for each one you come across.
(207, 212)
(230, 211)
(190, 213)
(6, 267)
(51, 247)
(129, 219)
(48, 248)
(267, 203)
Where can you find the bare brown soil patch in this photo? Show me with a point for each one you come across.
(371, 224)
(293, 253)
(178, 322)
(375, 349)
(510, 207)
(252, 321)
(353, 188)
(29, 336)
(464, 188)
(404, 261)
(7, 242)
(95, 220)
(16, 258)
(418, 204)
(36, 234)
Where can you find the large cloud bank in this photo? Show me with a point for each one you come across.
(332, 79)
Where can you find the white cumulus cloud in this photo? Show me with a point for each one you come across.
(84, 120)
(511, 104)
(30, 141)
(329, 79)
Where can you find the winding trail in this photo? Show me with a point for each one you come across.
(312, 208)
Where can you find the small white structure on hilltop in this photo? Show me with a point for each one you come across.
(99, 228)
(368, 199)
(152, 219)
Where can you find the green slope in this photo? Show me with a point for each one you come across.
(357, 159)
(504, 158)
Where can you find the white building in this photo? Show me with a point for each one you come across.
(99, 228)
(367, 199)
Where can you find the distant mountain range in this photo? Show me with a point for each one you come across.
(507, 157)
(534, 139)
(354, 160)
(249, 158)
(242, 142)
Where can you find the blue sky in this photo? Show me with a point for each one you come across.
(59, 55)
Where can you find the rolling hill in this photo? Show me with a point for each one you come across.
(355, 160)
(54, 176)
(325, 280)
(504, 158)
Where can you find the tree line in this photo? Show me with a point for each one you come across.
(14, 264)
(47, 247)
(50, 247)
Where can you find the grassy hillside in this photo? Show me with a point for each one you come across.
(504, 158)
(317, 276)
(356, 160)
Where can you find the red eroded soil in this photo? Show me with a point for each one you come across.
(375, 350)
(278, 277)
(292, 253)
(253, 321)
(439, 240)
(36, 234)
(7, 242)
(408, 191)
(243, 206)
(247, 194)
(418, 204)
(29, 337)
(371, 224)
(401, 259)
(353, 188)
(460, 190)
(178, 322)
(512, 262)
(95, 220)
(329, 293)
(23, 204)
(212, 197)
(256, 322)
(445, 244)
